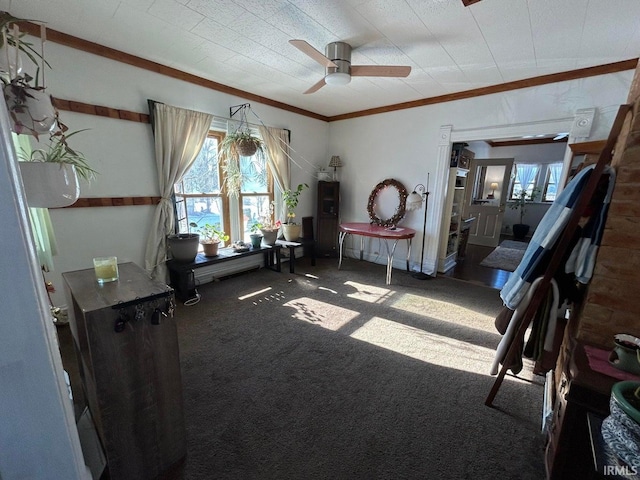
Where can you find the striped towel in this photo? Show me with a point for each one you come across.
(538, 253)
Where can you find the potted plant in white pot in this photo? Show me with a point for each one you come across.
(210, 238)
(291, 229)
(49, 175)
(521, 229)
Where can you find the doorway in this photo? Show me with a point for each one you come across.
(486, 200)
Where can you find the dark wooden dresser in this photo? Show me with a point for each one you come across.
(130, 368)
(579, 391)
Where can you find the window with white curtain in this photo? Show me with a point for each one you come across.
(199, 197)
(551, 182)
(526, 177)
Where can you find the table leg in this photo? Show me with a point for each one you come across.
(361, 246)
(409, 254)
(341, 241)
(390, 253)
(292, 259)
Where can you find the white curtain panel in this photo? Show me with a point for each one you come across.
(276, 141)
(179, 136)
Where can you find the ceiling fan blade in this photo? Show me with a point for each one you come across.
(467, 3)
(379, 71)
(307, 49)
(316, 86)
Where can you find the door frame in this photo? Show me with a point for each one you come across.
(504, 188)
(447, 136)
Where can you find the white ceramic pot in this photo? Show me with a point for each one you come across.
(49, 185)
(291, 231)
(183, 246)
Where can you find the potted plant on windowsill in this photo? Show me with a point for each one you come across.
(210, 238)
(521, 201)
(291, 229)
(256, 236)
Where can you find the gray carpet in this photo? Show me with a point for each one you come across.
(506, 256)
(336, 375)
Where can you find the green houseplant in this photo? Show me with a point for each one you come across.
(290, 229)
(520, 203)
(241, 143)
(210, 238)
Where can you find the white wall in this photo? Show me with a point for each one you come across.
(404, 144)
(122, 152)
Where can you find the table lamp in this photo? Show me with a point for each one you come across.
(335, 163)
(493, 187)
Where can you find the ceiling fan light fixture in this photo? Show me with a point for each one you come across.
(337, 78)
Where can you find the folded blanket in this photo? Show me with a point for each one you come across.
(547, 233)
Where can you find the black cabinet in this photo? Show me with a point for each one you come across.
(328, 218)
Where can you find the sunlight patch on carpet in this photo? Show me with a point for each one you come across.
(368, 293)
(445, 311)
(425, 346)
(319, 313)
(253, 294)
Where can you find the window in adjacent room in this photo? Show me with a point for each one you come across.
(551, 182)
(526, 176)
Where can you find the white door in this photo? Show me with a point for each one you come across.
(487, 198)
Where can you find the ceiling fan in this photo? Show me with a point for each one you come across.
(337, 62)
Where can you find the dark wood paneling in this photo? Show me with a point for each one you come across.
(89, 109)
(114, 202)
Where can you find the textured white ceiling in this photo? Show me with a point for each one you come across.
(451, 48)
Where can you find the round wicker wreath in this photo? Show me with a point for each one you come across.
(400, 209)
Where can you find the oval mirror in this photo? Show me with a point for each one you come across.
(387, 203)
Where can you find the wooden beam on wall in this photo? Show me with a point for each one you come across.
(89, 109)
(114, 202)
(524, 141)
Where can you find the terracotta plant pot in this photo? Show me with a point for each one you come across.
(210, 249)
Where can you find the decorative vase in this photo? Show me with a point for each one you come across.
(49, 185)
(621, 430)
(256, 240)
(210, 249)
(291, 231)
(269, 237)
(183, 246)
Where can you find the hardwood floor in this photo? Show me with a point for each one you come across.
(469, 269)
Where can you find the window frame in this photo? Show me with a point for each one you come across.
(234, 227)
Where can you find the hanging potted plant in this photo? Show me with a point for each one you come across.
(30, 107)
(291, 229)
(210, 238)
(49, 175)
(235, 145)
